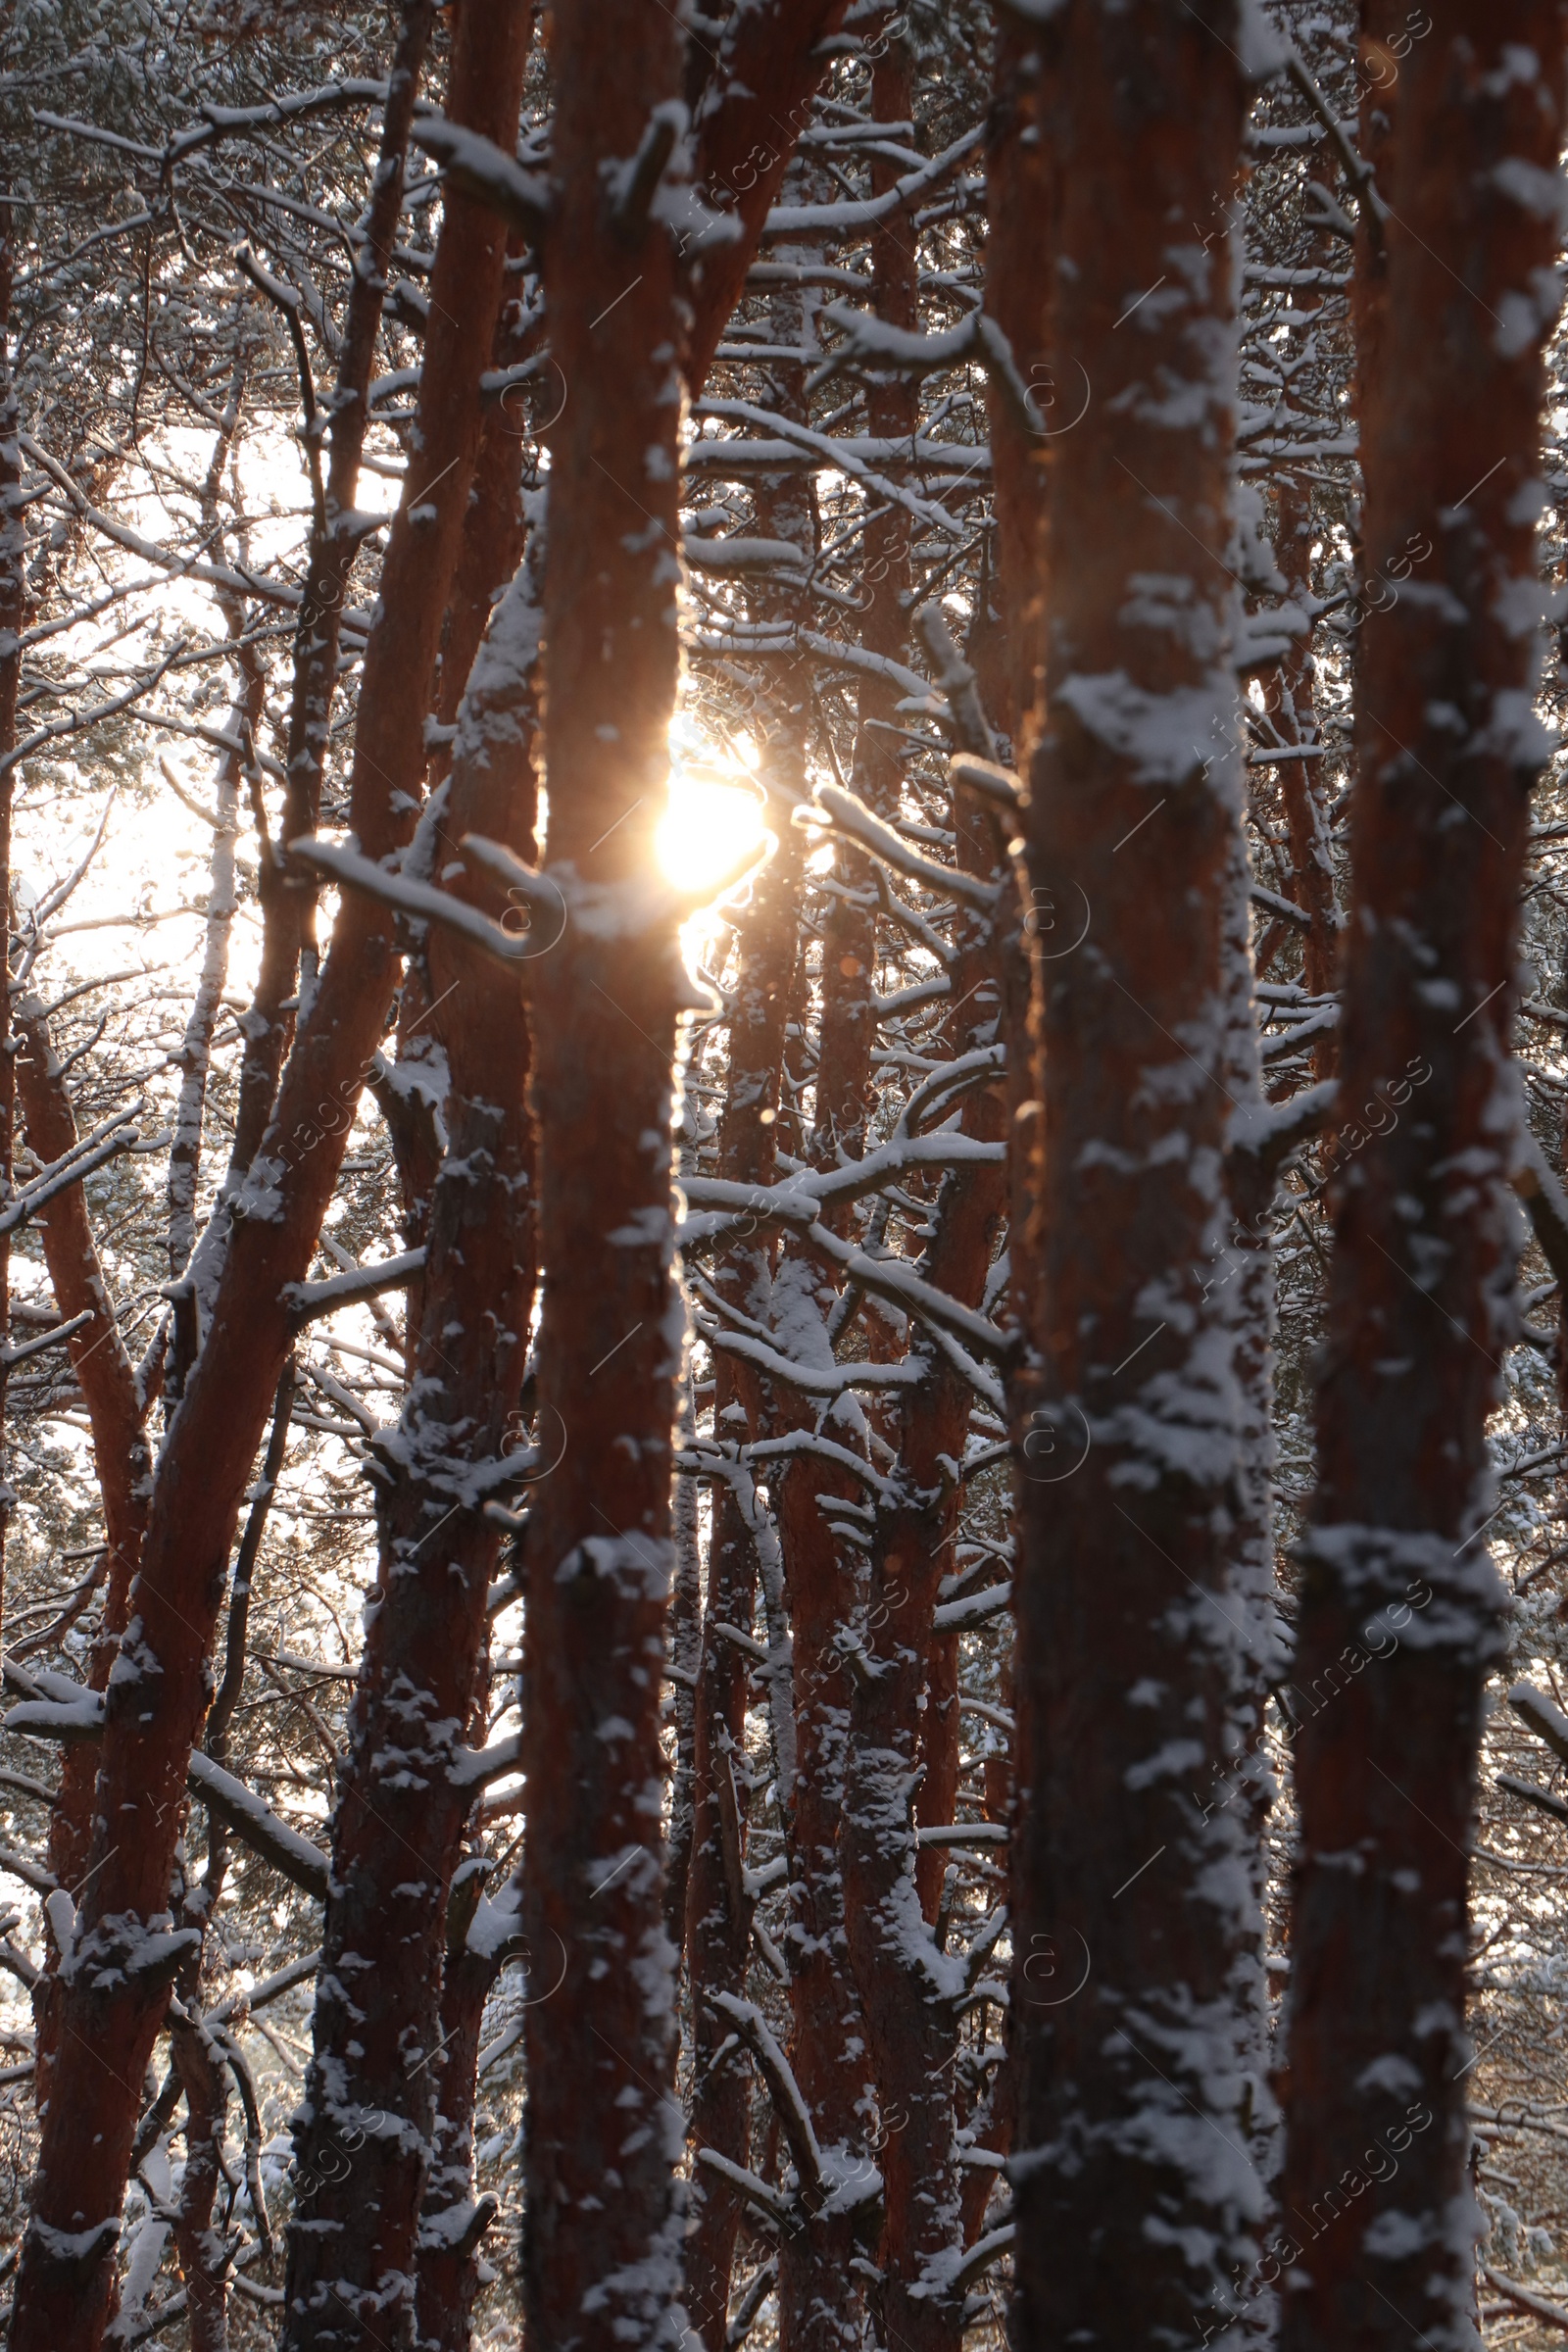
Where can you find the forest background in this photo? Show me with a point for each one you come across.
(635, 650)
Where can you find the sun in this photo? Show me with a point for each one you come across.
(713, 823)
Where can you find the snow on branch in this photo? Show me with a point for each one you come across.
(306, 1300)
(794, 2115)
(1543, 1715)
(487, 173)
(850, 815)
(413, 899)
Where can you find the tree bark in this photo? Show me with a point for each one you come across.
(1400, 1608)
(908, 1985)
(849, 934)
(602, 2248)
(1135, 1932)
(289, 909)
(757, 101)
(117, 1414)
(403, 1800)
(13, 614)
(718, 1917)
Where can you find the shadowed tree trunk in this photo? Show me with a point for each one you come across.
(718, 1918)
(1015, 298)
(13, 614)
(1400, 1608)
(116, 1413)
(1136, 1933)
(755, 103)
(910, 1985)
(404, 1795)
(849, 935)
(602, 2251)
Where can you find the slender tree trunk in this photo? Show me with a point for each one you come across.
(121, 1463)
(403, 1800)
(13, 614)
(750, 117)
(1015, 298)
(234, 766)
(685, 1656)
(1135, 1933)
(1400, 1608)
(910, 1985)
(289, 910)
(718, 1930)
(124, 1948)
(201, 2245)
(1306, 817)
(453, 2223)
(849, 935)
(824, 1578)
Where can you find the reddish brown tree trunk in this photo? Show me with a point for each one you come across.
(13, 614)
(910, 1985)
(115, 1981)
(1135, 1926)
(1400, 1608)
(289, 910)
(1015, 298)
(117, 1415)
(602, 2250)
(404, 1801)
(818, 2297)
(849, 935)
(751, 111)
(453, 2223)
(718, 1917)
(202, 2247)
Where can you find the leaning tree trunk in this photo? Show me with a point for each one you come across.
(1135, 1937)
(336, 536)
(1401, 1609)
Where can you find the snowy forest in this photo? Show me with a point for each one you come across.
(783, 1254)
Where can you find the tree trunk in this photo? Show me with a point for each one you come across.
(1400, 1608)
(13, 614)
(403, 1798)
(908, 1984)
(849, 934)
(1136, 1934)
(718, 1930)
(289, 910)
(602, 2251)
(116, 1413)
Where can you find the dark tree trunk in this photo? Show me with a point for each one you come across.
(602, 2251)
(909, 1984)
(404, 1801)
(1400, 1608)
(718, 1918)
(849, 934)
(1136, 1933)
(12, 616)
